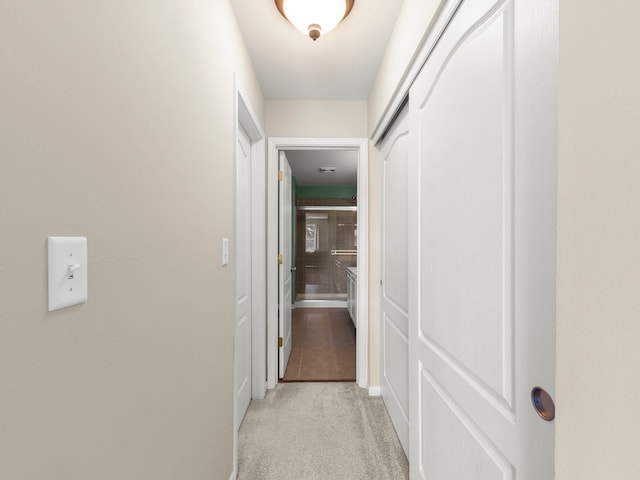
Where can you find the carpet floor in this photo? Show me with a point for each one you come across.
(319, 431)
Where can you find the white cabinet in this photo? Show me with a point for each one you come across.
(352, 294)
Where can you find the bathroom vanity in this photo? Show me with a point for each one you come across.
(352, 294)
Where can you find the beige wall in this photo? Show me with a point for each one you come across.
(316, 118)
(410, 28)
(117, 124)
(598, 322)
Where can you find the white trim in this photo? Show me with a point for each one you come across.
(375, 391)
(245, 117)
(272, 265)
(259, 271)
(233, 475)
(321, 304)
(434, 31)
(287, 143)
(362, 287)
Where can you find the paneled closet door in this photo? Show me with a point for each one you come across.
(394, 301)
(482, 290)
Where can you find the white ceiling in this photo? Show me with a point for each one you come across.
(339, 66)
(305, 165)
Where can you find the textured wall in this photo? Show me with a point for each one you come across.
(116, 122)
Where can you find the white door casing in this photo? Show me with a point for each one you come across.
(277, 144)
(242, 351)
(482, 244)
(394, 302)
(284, 241)
(248, 132)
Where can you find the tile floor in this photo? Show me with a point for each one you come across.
(324, 346)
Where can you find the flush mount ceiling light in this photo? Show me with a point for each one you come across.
(327, 169)
(314, 17)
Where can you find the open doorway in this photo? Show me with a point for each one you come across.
(331, 236)
(323, 253)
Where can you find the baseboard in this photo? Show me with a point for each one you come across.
(375, 391)
(233, 475)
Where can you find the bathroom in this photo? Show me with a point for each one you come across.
(324, 256)
(325, 228)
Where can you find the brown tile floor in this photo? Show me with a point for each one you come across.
(324, 346)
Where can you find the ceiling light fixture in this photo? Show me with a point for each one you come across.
(314, 17)
(327, 169)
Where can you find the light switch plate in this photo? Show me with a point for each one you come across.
(67, 271)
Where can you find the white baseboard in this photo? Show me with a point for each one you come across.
(233, 475)
(375, 391)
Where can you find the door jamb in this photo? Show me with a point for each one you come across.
(307, 143)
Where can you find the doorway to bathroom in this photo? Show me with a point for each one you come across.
(328, 241)
(323, 252)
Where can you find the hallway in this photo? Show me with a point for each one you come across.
(121, 125)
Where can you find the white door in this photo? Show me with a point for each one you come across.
(284, 241)
(482, 295)
(395, 301)
(242, 342)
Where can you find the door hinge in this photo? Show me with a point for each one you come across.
(280, 259)
(280, 176)
(280, 342)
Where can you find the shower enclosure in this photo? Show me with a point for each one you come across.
(326, 244)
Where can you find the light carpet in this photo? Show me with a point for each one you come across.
(323, 431)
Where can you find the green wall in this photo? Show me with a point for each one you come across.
(326, 192)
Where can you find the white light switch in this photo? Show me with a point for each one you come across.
(67, 271)
(225, 252)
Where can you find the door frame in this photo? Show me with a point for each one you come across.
(275, 144)
(245, 118)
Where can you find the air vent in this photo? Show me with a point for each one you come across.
(327, 169)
